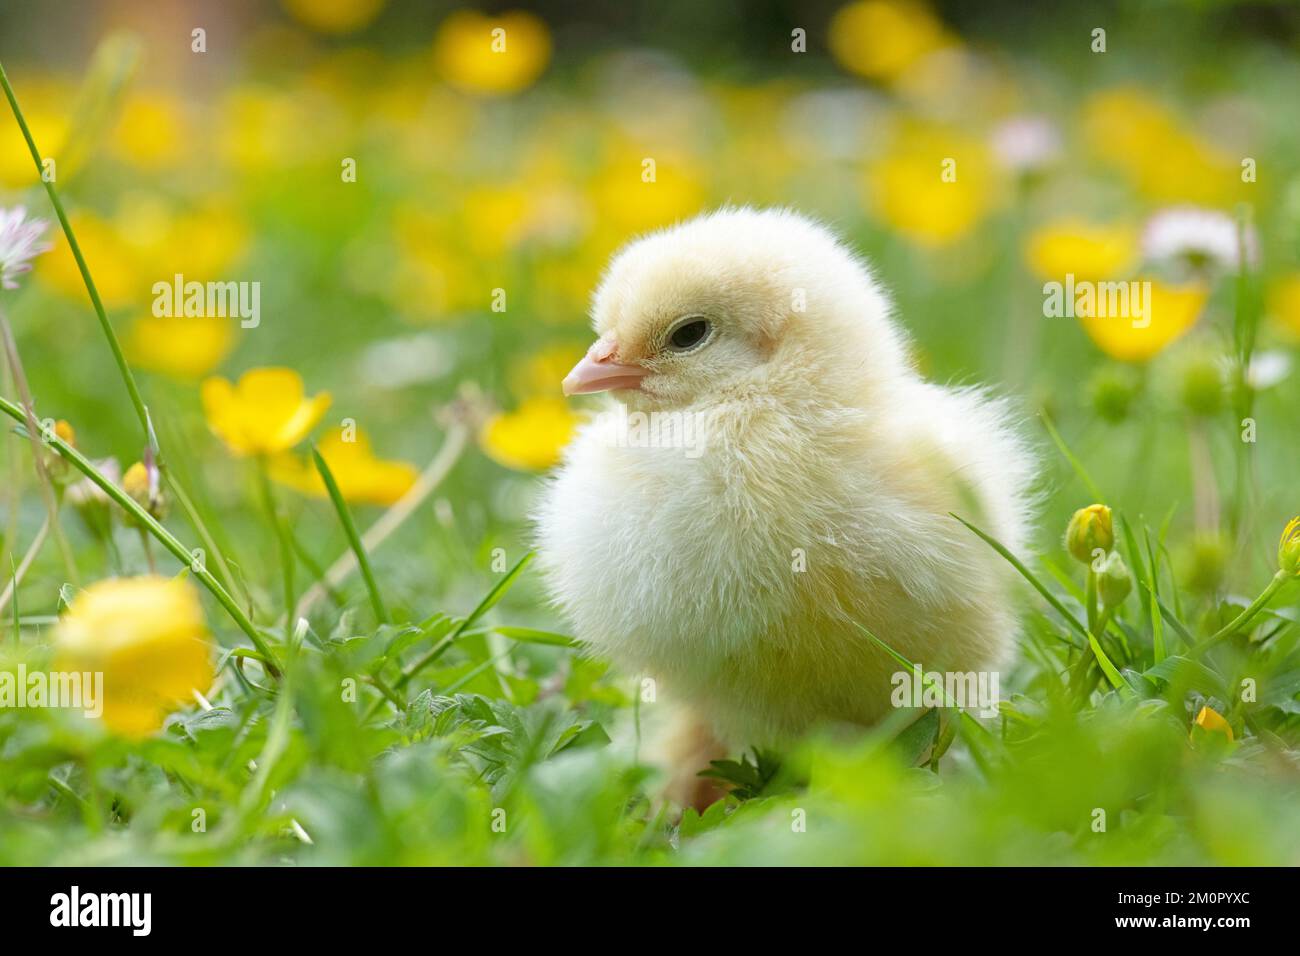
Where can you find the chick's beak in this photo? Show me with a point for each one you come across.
(599, 371)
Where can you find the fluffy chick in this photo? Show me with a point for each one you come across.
(809, 489)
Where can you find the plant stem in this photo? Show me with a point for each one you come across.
(17, 576)
(48, 494)
(113, 344)
(168, 540)
(286, 549)
(1090, 599)
(119, 357)
(1242, 619)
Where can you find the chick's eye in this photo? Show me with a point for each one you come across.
(688, 335)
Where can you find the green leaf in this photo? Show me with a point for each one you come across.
(1112, 674)
(528, 635)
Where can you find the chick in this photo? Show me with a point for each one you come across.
(790, 475)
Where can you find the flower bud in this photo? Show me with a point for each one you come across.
(1288, 548)
(141, 482)
(1211, 720)
(1089, 529)
(1114, 583)
(1201, 388)
(1112, 391)
(1206, 562)
(56, 466)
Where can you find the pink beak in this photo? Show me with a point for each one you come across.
(599, 372)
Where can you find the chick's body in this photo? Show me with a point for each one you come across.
(801, 483)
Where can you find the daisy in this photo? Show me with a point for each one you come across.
(1199, 239)
(1026, 144)
(18, 244)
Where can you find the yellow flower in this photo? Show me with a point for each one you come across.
(45, 107)
(1174, 310)
(630, 196)
(1088, 250)
(334, 16)
(266, 413)
(494, 218)
(142, 483)
(361, 476)
(491, 55)
(147, 636)
(531, 437)
(1156, 152)
(1210, 719)
(538, 373)
(182, 348)
(116, 270)
(1288, 548)
(66, 432)
(1090, 529)
(152, 131)
(879, 39)
(1284, 303)
(933, 185)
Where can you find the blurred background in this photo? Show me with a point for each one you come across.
(224, 154)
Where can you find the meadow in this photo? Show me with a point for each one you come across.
(275, 425)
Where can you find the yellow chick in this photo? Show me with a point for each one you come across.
(772, 473)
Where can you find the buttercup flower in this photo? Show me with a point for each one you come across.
(1288, 548)
(147, 636)
(1090, 528)
(119, 276)
(152, 130)
(531, 437)
(361, 476)
(334, 16)
(1174, 310)
(907, 188)
(266, 413)
(143, 483)
(19, 244)
(46, 101)
(880, 39)
(1210, 719)
(1284, 303)
(1089, 251)
(181, 347)
(1197, 240)
(1156, 151)
(492, 55)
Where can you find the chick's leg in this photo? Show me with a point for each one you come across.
(686, 747)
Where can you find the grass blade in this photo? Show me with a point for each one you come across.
(354, 539)
(1029, 576)
(155, 528)
(1077, 465)
(528, 635)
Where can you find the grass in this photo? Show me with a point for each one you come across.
(418, 703)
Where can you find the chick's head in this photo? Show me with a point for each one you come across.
(737, 304)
